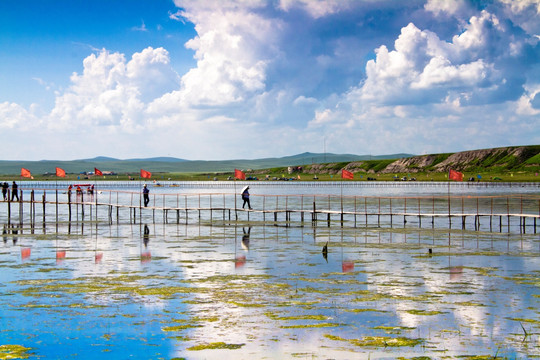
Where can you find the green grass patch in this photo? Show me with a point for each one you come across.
(215, 346)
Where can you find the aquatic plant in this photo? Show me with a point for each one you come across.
(14, 352)
(214, 346)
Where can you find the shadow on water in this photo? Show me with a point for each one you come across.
(160, 290)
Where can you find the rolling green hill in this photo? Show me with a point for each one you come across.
(175, 165)
(493, 163)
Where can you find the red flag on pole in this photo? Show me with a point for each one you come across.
(239, 174)
(146, 174)
(98, 172)
(26, 173)
(455, 175)
(60, 172)
(345, 174)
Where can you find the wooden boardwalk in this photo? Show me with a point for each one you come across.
(499, 212)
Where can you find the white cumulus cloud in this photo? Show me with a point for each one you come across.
(112, 91)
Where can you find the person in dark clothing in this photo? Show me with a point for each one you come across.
(5, 188)
(146, 195)
(245, 197)
(14, 191)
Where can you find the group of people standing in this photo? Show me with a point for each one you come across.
(14, 191)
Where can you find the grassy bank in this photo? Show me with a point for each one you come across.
(282, 174)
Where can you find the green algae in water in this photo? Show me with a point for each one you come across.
(215, 346)
(306, 326)
(424, 312)
(298, 317)
(181, 327)
(393, 329)
(365, 310)
(379, 341)
(246, 305)
(14, 352)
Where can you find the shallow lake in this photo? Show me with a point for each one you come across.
(247, 290)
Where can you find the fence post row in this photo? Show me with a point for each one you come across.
(511, 206)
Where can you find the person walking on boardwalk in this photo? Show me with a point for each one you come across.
(245, 197)
(5, 188)
(14, 191)
(146, 196)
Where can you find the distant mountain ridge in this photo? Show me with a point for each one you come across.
(177, 165)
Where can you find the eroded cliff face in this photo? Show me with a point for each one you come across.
(412, 164)
(457, 161)
(461, 161)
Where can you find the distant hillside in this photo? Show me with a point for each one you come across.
(175, 165)
(512, 158)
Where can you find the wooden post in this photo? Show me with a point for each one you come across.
(31, 202)
(433, 213)
(56, 201)
(21, 207)
(365, 209)
(405, 213)
(449, 210)
(302, 210)
(491, 216)
(44, 194)
(355, 211)
(82, 207)
(69, 205)
(391, 214)
(419, 215)
(508, 212)
(379, 214)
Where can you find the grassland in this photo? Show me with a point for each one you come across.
(509, 164)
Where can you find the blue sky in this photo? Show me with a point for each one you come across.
(215, 79)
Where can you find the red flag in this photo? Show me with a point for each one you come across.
(345, 174)
(26, 173)
(60, 172)
(98, 172)
(146, 174)
(455, 175)
(239, 174)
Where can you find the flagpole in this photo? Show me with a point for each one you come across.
(235, 206)
(449, 218)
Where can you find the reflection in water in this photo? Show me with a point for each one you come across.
(347, 266)
(60, 256)
(373, 289)
(25, 253)
(245, 238)
(325, 251)
(146, 256)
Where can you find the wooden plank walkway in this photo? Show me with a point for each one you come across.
(314, 216)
